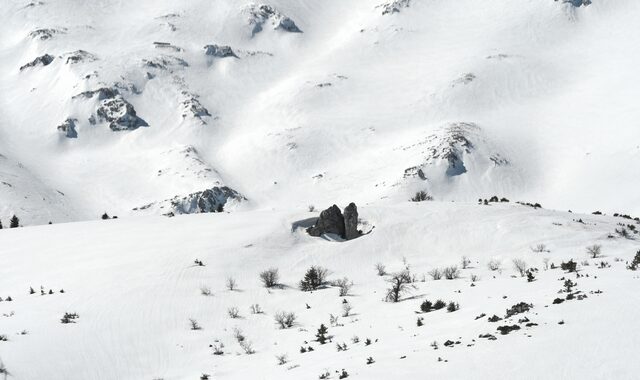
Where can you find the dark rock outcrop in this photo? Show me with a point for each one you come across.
(68, 128)
(330, 221)
(42, 60)
(120, 114)
(103, 93)
(44, 33)
(261, 14)
(351, 221)
(78, 56)
(165, 62)
(210, 200)
(394, 6)
(219, 51)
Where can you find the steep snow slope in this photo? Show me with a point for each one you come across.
(305, 102)
(134, 286)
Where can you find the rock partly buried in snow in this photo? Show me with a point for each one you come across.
(191, 106)
(210, 200)
(577, 3)
(78, 56)
(164, 62)
(42, 60)
(103, 93)
(120, 114)
(45, 33)
(394, 6)
(260, 14)
(219, 51)
(167, 45)
(68, 128)
(351, 221)
(330, 221)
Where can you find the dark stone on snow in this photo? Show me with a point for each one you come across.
(69, 128)
(351, 221)
(103, 93)
(219, 51)
(42, 60)
(330, 221)
(78, 56)
(120, 114)
(504, 330)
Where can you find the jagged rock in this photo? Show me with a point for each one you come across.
(209, 200)
(44, 33)
(42, 60)
(351, 221)
(577, 3)
(192, 106)
(103, 93)
(261, 14)
(219, 51)
(68, 128)
(164, 62)
(394, 6)
(78, 56)
(330, 221)
(120, 114)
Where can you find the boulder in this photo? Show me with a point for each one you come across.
(219, 51)
(351, 221)
(68, 128)
(120, 114)
(42, 60)
(330, 221)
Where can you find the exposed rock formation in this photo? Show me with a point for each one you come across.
(45, 33)
(78, 56)
(351, 221)
(120, 114)
(68, 128)
(394, 6)
(261, 14)
(210, 200)
(330, 221)
(164, 62)
(42, 60)
(192, 106)
(219, 51)
(103, 93)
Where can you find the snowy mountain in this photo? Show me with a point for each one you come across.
(221, 133)
(291, 103)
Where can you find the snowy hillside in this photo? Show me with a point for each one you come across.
(297, 102)
(134, 286)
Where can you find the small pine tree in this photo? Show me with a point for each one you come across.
(530, 276)
(14, 222)
(321, 335)
(313, 279)
(0, 224)
(105, 216)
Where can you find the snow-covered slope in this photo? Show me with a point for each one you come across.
(134, 286)
(297, 102)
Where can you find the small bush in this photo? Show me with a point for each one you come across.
(282, 359)
(346, 309)
(194, 324)
(475, 278)
(233, 312)
(421, 196)
(231, 283)
(255, 309)
(419, 322)
(381, 269)
(635, 262)
(494, 265)
(205, 290)
(322, 334)
(285, 319)
(439, 305)
(520, 266)
(569, 266)
(270, 277)
(540, 248)
(453, 306)
(594, 251)
(426, 306)
(247, 347)
(400, 284)
(314, 278)
(451, 273)
(344, 286)
(67, 318)
(435, 274)
(465, 262)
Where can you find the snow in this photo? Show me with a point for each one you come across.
(134, 285)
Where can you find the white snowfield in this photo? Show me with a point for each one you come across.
(298, 102)
(134, 285)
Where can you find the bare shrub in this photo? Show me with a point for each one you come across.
(237, 333)
(475, 278)
(436, 274)
(282, 359)
(494, 265)
(255, 309)
(270, 277)
(233, 312)
(231, 283)
(545, 261)
(520, 266)
(285, 319)
(451, 273)
(421, 196)
(344, 286)
(346, 309)
(218, 348)
(381, 269)
(247, 347)
(194, 324)
(594, 251)
(311, 208)
(539, 248)
(205, 290)
(400, 284)
(465, 262)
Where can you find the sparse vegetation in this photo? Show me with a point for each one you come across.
(435, 273)
(346, 309)
(255, 309)
(194, 324)
(314, 278)
(344, 286)
(451, 272)
(494, 265)
(635, 262)
(520, 266)
(270, 277)
(381, 269)
(421, 196)
(594, 251)
(67, 318)
(231, 284)
(233, 312)
(465, 262)
(285, 319)
(205, 290)
(400, 284)
(569, 266)
(282, 359)
(540, 248)
(452, 306)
